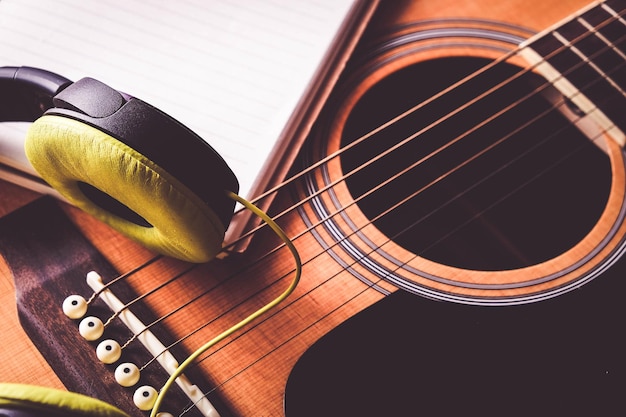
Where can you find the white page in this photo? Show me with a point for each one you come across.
(231, 70)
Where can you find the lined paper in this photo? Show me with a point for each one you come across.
(234, 71)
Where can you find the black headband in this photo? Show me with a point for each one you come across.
(26, 93)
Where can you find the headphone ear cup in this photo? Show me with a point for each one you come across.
(40, 401)
(120, 186)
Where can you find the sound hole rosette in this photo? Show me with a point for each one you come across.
(349, 236)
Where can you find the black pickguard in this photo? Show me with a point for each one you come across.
(410, 356)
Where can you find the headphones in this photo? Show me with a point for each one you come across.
(19, 400)
(123, 161)
(136, 169)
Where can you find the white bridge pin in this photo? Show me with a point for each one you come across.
(145, 397)
(127, 374)
(91, 328)
(74, 306)
(108, 351)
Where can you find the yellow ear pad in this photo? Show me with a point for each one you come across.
(46, 401)
(92, 169)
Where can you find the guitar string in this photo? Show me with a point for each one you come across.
(329, 186)
(123, 277)
(127, 274)
(293, 300)
(291, 338)
(353, 297)
(492, 174)
(202, 326)
(146, 294)
(165, 317)
(448, 89)
(331, 216)
(412, 110)
(312, 324)
(332, 184)
(392, 121)
(285, 342)
(476, 215)
(390, 209)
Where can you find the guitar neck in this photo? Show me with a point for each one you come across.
(583, 56)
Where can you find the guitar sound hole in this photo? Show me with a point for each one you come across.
(536, 192)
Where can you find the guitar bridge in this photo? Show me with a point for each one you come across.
(49, 259)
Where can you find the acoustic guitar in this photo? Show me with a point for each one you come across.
(461, 200)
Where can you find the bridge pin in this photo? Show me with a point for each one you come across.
(127, 374)
(145, 397)
(91, 328)
(74, 306)
(108, 351)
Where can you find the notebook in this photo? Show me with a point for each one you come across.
(247, 76)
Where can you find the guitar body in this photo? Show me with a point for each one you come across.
(352, 260)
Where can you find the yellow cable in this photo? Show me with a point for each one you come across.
(272, 224)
